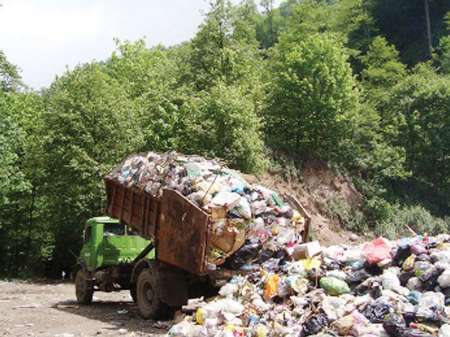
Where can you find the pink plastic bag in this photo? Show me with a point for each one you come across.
(377, 251)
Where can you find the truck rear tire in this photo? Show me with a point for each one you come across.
(148, 300)
(83, 288)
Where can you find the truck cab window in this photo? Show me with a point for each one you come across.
(113, 229)
(87, 234)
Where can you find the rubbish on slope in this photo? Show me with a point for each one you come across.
(326, 296)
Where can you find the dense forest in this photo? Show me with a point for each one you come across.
(361, 84)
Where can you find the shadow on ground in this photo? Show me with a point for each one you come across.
(117, 314)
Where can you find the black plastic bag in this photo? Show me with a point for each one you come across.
(429, 278)
(409, 317)
(265, 255)
(393, 325)
(357, 276)
(245, 254)
(377, 311)
(401, 255)
(315, 324)
(405, 276)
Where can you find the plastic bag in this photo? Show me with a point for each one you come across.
(444, 279)
(228, 289)
(271, 286)
(242, 209)
(405, 276)
(186, 329)
(420, 267)
(430, 278)
(357, 276)
(431, 306)
(350, 324)
(333, 307)
(389, 280)
(414, 284)
(394, 325)
(444, 331)
(298, 284)
(314, 324)
(376, 311)
(245, 254)
(311, 264)
(334, 286)
(261, 331)
(408, 264)
(226, 199)
(339, 274)
(402, 253)
(418, 249)
(377, 251)
(414, 297)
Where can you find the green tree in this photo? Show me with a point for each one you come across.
(382, 69)
(311, 95)
(222, 123)
(91, 126)
(444, 55)
(150, 78)
(25, 238)
(224, 61)
(422, 103)
(224, 49)
(9, 75)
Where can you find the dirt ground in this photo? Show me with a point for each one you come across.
(50, 309)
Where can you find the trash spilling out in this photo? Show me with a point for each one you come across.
(378, 289)
(282, 285)
(250, 223)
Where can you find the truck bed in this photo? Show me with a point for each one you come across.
(180, 230)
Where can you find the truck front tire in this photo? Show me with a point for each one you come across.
(147, 295)
(83, 288)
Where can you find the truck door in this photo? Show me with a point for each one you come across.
(87, 254)
(115, 245)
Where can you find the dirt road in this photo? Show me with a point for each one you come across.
(43, 309)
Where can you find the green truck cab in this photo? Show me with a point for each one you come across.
(107, 258)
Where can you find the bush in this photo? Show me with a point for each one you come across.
(393, 220)
(418, 219)
(349, 217)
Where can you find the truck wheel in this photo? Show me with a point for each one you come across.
(148, 300)
(83, 288)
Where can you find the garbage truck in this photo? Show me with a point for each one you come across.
(174, 264)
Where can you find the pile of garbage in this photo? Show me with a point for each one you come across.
(250, 222)
(380, 288)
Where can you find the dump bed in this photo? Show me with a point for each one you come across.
(181, 231)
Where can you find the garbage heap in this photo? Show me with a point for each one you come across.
(249, 221)
(378, 289)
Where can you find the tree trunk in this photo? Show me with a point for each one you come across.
(427, 17)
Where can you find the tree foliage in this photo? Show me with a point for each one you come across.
(311, 94)
(90, 126)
